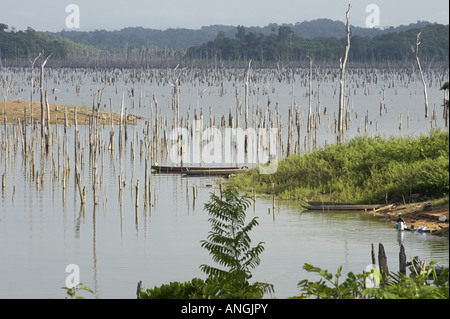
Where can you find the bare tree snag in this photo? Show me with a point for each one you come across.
(309, 95)
(342, 65)
(246, 102)
(402, 260)
(43, 96)
(382, 260)
(374, 261)
(416, 51)
(47, 128)
(247, 92)
(32, 85)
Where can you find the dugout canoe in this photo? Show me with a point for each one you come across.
(215, 172)
(184, 169)
(342, 207)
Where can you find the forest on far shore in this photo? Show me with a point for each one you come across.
(288, 46)
(280, 44)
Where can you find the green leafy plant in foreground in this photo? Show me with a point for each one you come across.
(422, 284)
(194, 289)
(229, 244)
(72, 292)
(329, 287)
(425, 284)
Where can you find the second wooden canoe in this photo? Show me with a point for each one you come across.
(342, 207)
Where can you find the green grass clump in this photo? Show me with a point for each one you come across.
(363, 170)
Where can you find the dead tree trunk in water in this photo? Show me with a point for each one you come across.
(374, 260)
(309, 95)
(402, 260)
(382, 260)
(247, 89)
(342, 65)
(32, 86)
(43, 104)
(416, 51)
(445, 87)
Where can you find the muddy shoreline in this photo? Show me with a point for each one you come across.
(422, 214)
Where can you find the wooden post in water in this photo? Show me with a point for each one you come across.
(47, 139)
(382, 260)
(402, 260)
(137, 194)
(273, 201)
(374, 261)
(194, 191)
(41, 89)
(120, 189)
(81, 191)
(146, 184)
(150, 193)
(297, 122)
(254, 200)
(120, 126)
(111, 132)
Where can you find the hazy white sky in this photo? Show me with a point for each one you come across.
(50, 15)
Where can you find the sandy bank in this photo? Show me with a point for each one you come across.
(419, 214)
(58, 113)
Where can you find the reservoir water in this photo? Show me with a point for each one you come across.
(44, 228)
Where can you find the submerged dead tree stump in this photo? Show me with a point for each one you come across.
(374, 261)
(382, 260)
(402, 260)
(383, 264)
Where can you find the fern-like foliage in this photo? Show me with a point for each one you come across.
(229, 245)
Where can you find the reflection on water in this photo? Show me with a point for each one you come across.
(331, 240)
(115, 248)
(116, 243)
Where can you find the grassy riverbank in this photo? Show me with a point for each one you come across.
(363, 170)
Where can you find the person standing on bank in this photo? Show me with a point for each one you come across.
(400, 222)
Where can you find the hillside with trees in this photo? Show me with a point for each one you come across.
(181, 38)
(19, 45)
(285, 45)
(323, 40)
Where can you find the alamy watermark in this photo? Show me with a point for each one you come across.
(73, 279)
(225, 146)
(73, 19)
(374, 278)
(373, 19)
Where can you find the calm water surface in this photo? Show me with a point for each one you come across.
(43, 227)
(115, 248)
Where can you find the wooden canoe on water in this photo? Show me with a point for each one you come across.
(215, 172)
(329, 206)
(327, 203)
(183, 169)
(198, 170)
